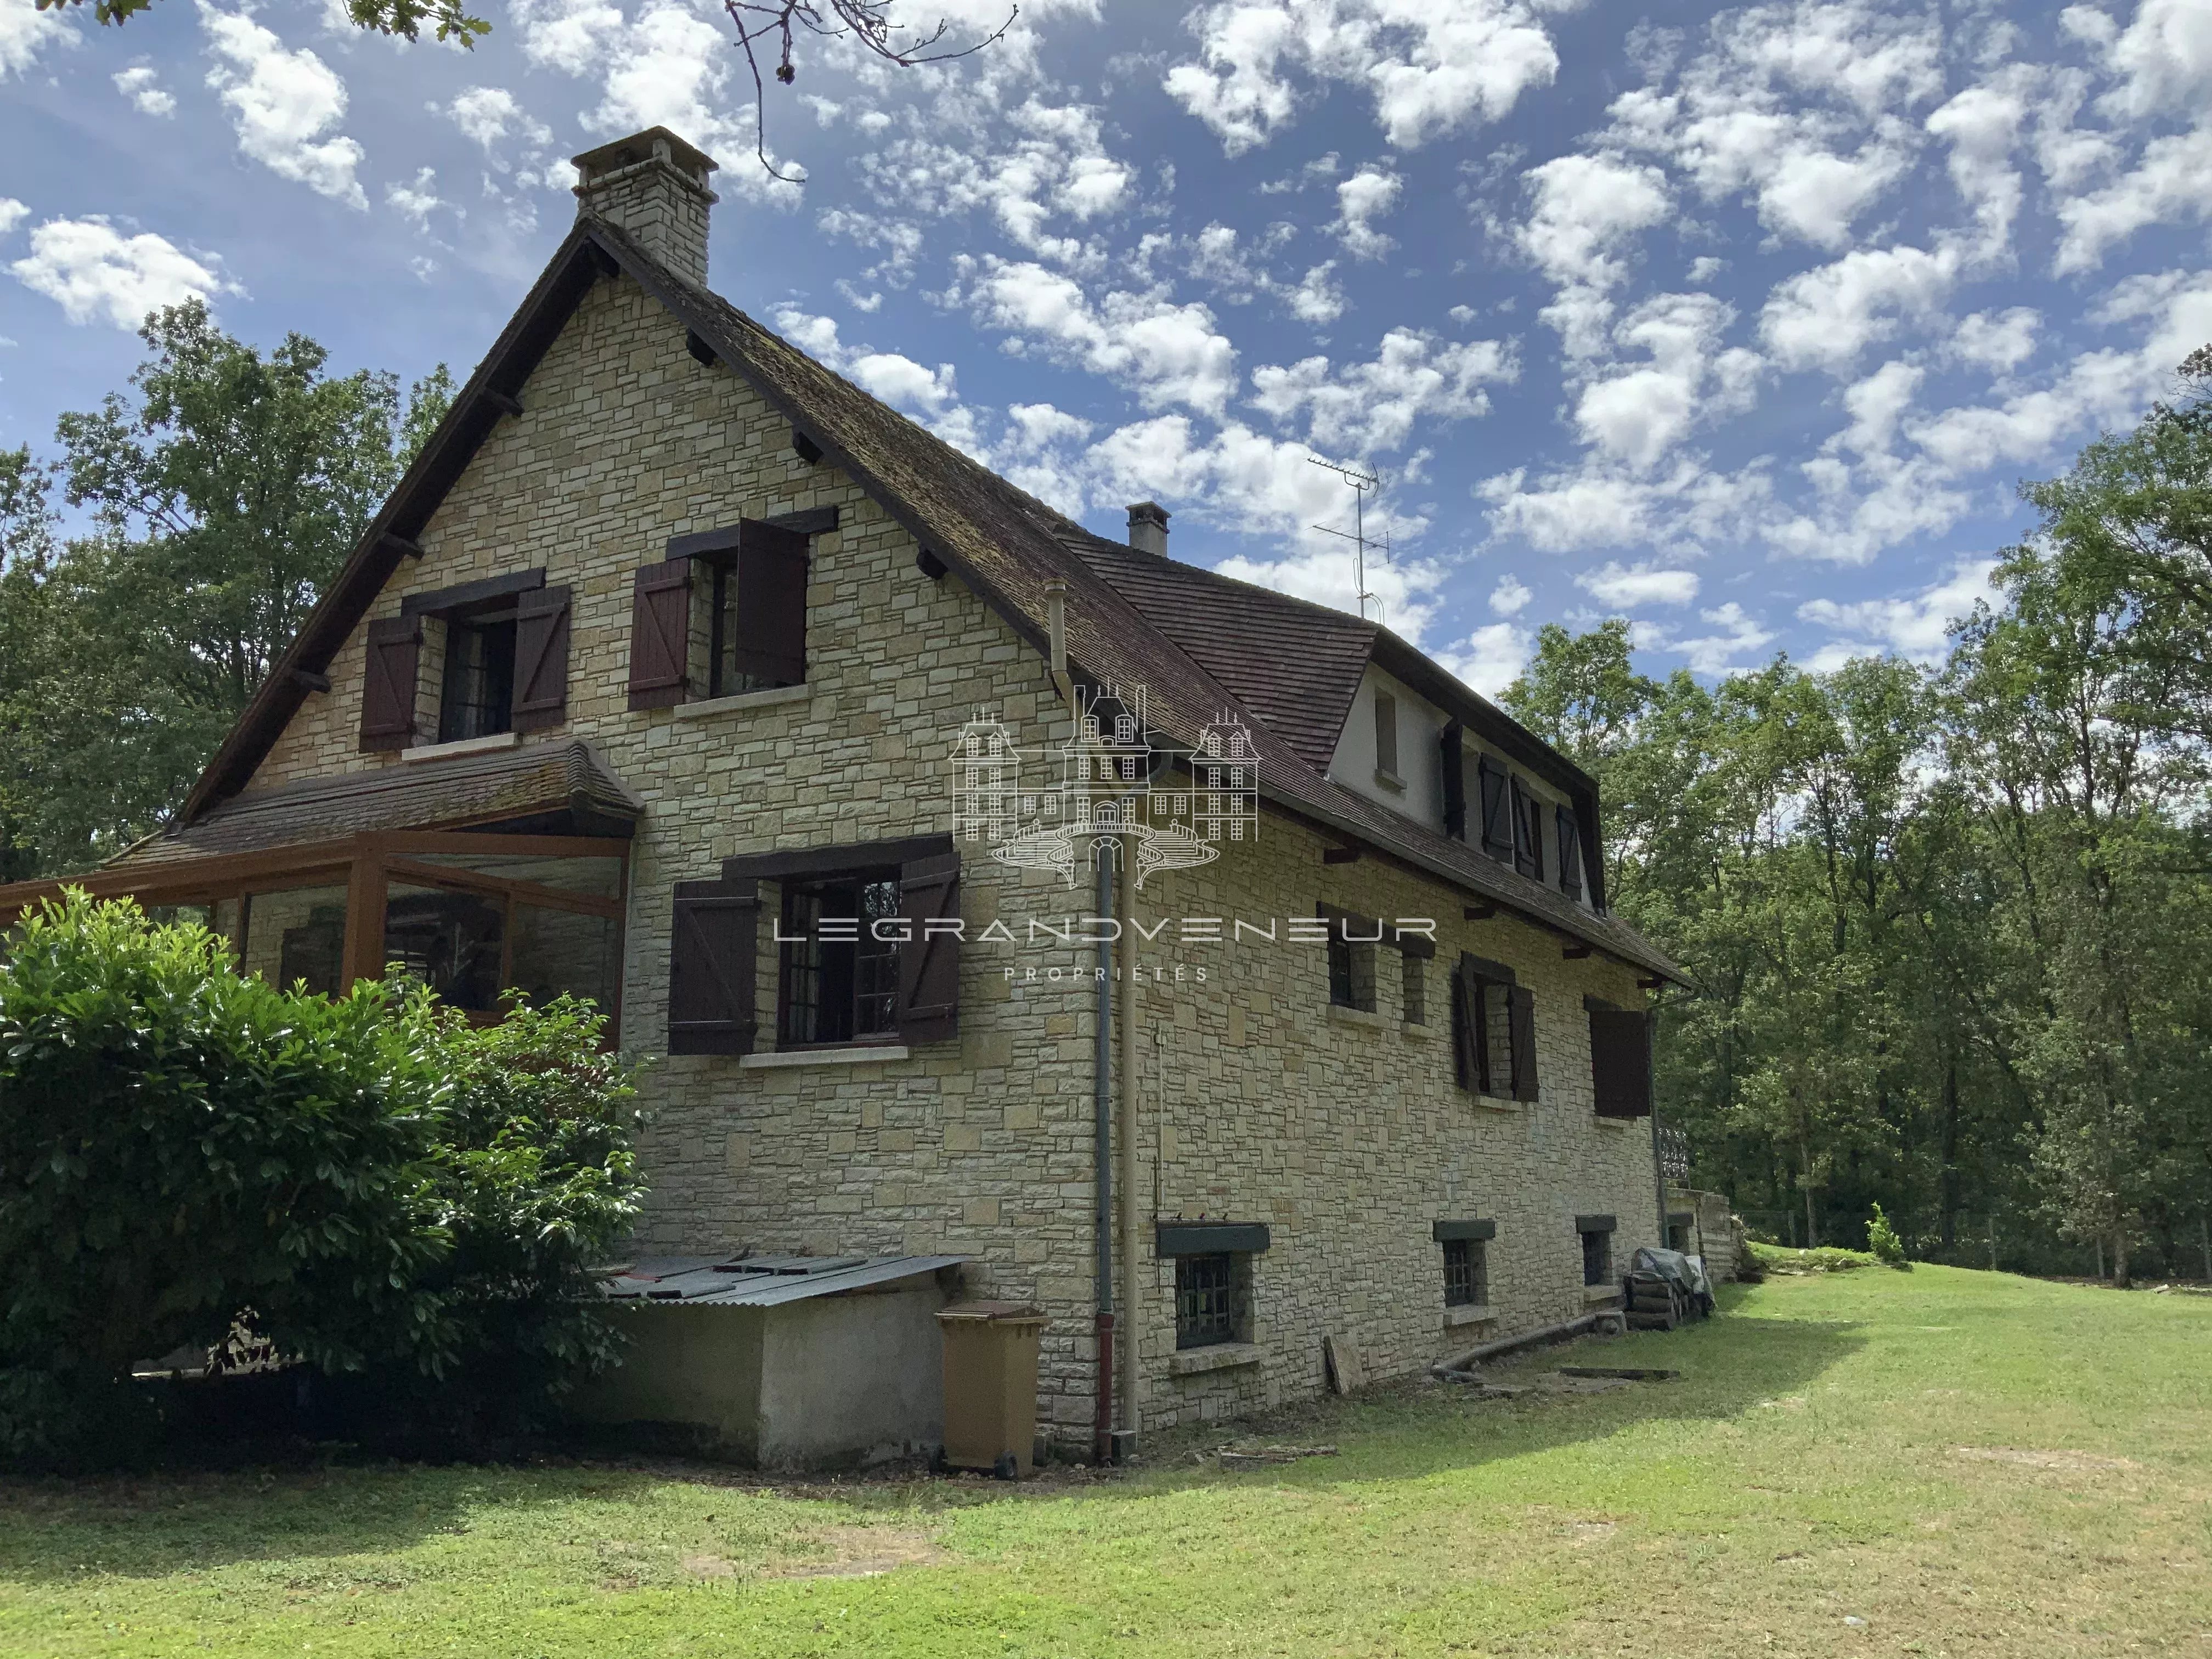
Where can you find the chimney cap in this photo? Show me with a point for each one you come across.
(641, 147)
(1148, 513)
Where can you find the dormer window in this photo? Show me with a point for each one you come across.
(500, 647)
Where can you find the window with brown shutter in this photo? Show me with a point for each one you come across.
(1528, 833)
(1493, 1031)
(1496, 808)
(541, 659)
(713, 936)
(1467, 1029)
(929, 956)
(1571, 853)
(661, 634)
(387, 704)
(1620, 1059)
(760, 611)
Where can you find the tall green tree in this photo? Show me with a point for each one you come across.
(217, 497)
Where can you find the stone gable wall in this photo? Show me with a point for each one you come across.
(1345, 1134)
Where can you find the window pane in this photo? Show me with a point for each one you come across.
(558, 951)
(875, 967)
(593, 877)
(1206, 1310)
(297, 935)
(840, 988)
(479, 685)
(450, 941)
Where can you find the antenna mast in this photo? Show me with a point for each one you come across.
(1361, 483)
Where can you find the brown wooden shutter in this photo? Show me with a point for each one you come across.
(1570, 853)
(387, 701)
(1528, 833)
(929, 959)
(1467, 1030)
(1620, 1059)
(541, 659)
(1520, 1018)
(661, 634)
(770, 643)
(713, 937)
(1454, 778)
(1496, 808)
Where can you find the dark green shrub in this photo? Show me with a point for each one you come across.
(390, 1193)
(1882, 1240)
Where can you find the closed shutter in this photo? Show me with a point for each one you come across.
(1466, 1031)
(929, 958)
(387, 701)
(661, 634)
(713, 937)
(1528, 833)
(1620, 1060)
(1521, 1012)
(1496, 808)
(1455, 777)
(541, 659)
(1570, 853)
(770, 640)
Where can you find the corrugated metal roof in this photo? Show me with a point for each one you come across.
(763, 1281)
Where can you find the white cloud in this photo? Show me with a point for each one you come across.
(25, 31)
(1431, 70)
(12, 213)
(1999, 341)
(1825, 317)
(1367, 409)
(283, 104)
(1316, 299)
(97, 274)
(1054, 166)
(1916, 626)
(488, 116)
(1624, 587)
(1170, 353)
(1370, 194)
(1637, 415)
(2164, 57)
(1510, 597)
(142, 87)
(573, 36)
(1982, 126)
(1491, 658)
(418, 200)
(1724, 652)
(2173, 180)
(1585, 211)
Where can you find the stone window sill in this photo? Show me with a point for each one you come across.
(431, 752)
(860, 1054)
(1416, 1029)
(1475, 1313)
(1389, 780)
(1340, 1015)
(709, 707)
(1615, 1124)
(1221, 1357)
(1600, 1292)
(1499, 1104)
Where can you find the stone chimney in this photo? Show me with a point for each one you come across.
(654, 186)
(1148, 528)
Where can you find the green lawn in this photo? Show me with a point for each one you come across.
(1966, 1463)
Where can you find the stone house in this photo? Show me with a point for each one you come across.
(680, 672)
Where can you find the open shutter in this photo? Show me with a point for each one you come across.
(770, 643)
(1521, 1011)
(661, 634)
(541, 659)
(1571, 853)
(714, 936)
(1496, 808)
(929, 957)
(1467, 1030)
(1454, 778)
(1528, 833)
(1620, 1059)
(387, 702)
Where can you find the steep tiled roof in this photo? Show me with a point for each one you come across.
(1200, 645)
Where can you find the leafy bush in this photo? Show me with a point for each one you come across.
(1882, 1240)
(387, 1190)
(1822, 1259)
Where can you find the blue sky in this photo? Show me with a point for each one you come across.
(1742, 323)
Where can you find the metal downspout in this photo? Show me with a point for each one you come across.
(1102, 1153)
(1132, 1233)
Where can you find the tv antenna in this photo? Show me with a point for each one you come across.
(1361, 483)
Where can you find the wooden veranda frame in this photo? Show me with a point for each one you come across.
(364, 864)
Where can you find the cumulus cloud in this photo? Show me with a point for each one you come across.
(1999, 341)
(1491, 658)
(1825, 317)
(1510, 597)
(1627, 587)
(283, 106)
(1916, 626)
(1585, 211)
(97, 273)
(12, 213)
(1736, 638)
(142, 87)
(1370, 194)
(488, 116)
(417, 200)
(1053, 167)
(26, 32)
(1636, 414)
(1367, 409)
(1430, 69)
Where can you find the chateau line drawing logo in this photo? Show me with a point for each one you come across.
(1111, 785)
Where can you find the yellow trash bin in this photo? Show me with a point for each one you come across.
(990, 1385)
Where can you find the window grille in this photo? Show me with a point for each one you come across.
(1597, 1258)
(1208, 1304)
(1466, 1277)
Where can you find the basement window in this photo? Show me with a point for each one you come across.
(477, 698)
(1597, 1248)
(838, 982)
(1466, 1273)
(1213, 1298)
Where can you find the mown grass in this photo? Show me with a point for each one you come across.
(1967, 1463)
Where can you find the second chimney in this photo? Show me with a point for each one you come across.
(1148, 528)
(653, 186)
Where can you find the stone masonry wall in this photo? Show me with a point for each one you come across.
(1257, 1102)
